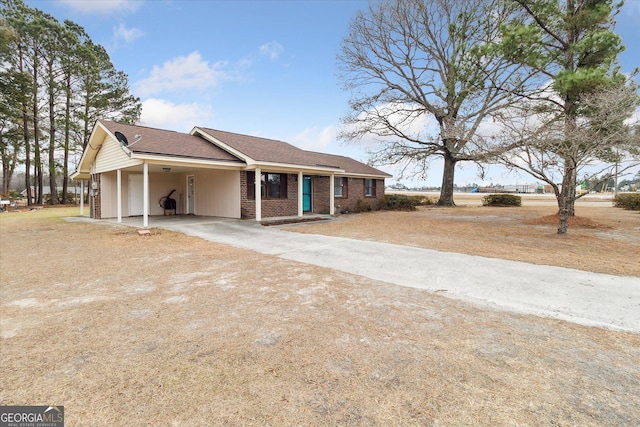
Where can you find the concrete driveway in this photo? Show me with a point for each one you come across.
(573, 295)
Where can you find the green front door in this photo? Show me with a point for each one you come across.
(306, 194)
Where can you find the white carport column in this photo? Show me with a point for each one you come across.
(258, 193)
(145, 195)
(332, 195)
(82, 197)
(300, 194)
(119, 190)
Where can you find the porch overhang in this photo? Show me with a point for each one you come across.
(186, 162)
(294, 169)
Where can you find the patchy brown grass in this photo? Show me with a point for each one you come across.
(165, 329)
(600, 239)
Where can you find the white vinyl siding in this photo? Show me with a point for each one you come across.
(112, 156)
(108, 195)
(217, 193)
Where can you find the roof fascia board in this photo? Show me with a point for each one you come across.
(366, 175)
(78, 175)
(248, 160)
(170, 160)
(89, 146)
(295, 168)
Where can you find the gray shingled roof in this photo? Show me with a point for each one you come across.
(350, 165)
(269, 150)
(146, 140)
(266, 150)
(166, 142)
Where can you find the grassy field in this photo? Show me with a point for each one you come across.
(166, 329)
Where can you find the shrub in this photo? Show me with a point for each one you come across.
(403, 202)
(425, 201)
(398, 202)
(501, 200)
(361, 206)
(630, 201)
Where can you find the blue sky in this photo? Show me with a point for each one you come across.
(265, 68)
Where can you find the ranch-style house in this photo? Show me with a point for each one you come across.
(132, 169)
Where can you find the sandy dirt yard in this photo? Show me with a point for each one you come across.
(171, 330)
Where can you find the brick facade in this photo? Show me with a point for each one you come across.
(320, 194)
(355, 191)
(320, 199)
(270, 207)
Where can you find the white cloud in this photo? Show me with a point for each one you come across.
(314, 139)
(164, 114)
(126, 35)
(272, 50)
(189, 72)
(101, 6)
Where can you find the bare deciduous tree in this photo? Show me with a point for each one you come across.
(422, 82)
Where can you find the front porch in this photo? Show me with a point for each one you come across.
(163, 221)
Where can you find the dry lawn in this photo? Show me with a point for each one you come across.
(602, 239)
(129, 330)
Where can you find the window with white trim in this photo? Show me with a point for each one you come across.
(340, 186)
(369, 187)
(272, 185)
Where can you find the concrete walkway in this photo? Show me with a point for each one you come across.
(573, 295)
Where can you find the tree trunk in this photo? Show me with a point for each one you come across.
(37, 167)
(25, 135)
(571, 202)
(563, 225)
(6, 178)
(37, 160)
(67, 137)
(567, 196)
(563, 212)
(446, 191)
(53, 188)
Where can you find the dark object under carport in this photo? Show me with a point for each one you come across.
(168, 204)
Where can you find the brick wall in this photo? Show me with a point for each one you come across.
(247, 206)
(270, 207)
(320, 203)
(355, 192)
(320, 193)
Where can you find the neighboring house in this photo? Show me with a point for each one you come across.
(216, 173)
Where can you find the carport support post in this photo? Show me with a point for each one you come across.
(119, 184)
(300, 194)
(258, 193)
(145, 195)
(82, 197)
(332, 194)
